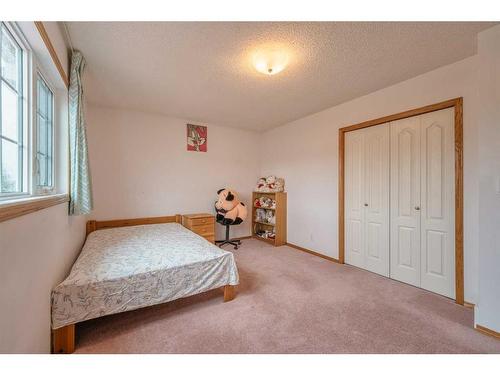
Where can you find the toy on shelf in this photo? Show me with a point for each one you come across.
(270, 218)
(270, 184)
(265, 202)
(265, 216)
(260, 215)
(266, 233)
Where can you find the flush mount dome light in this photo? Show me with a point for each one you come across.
(270, 62)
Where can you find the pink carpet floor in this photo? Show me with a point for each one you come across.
(292, 302)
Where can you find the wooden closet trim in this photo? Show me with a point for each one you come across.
(457, 104)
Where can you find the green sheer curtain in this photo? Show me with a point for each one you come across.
(81, 184)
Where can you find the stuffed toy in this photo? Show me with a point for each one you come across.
(260, 184)
(270, 218)
(265, 233)
(264, 202)
(269, 203)
(230, 211)
(270, 184)
(275, 184)
(260, 215)
(257, 203)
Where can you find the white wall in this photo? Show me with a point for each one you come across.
(38, 249)
(488, 306)
(57, 35)
(36, 253)
(140, 166)
(307, 157)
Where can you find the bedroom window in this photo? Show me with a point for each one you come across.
(27, 120)
(13, 124)
(44, 161)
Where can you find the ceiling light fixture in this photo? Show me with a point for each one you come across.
(270, 62)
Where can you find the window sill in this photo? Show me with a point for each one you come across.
(18, 207)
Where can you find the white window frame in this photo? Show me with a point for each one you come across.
(37, 189)
(25, 174)
(31, 71)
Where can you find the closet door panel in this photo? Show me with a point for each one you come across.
(438, 207)
(354, 191)
(376, 202)
(405, 200)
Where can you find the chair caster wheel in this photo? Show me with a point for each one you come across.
(235, 248)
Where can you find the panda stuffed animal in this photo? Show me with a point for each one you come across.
(230, 211)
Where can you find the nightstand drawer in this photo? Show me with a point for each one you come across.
(202, 221)
(204, 230)
(201, 224)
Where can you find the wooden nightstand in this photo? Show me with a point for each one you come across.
(202, 224)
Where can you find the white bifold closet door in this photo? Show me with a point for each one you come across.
(422, 239)
(367, 198)
(399, 200)
(405, 200)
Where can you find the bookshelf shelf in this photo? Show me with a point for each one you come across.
(260, 227)
(266, 208)
(264, 223)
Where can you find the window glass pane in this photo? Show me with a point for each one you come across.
(10, 110)
(10, 167)
(42, 99)
(42, 170)
(50, 108)
(10, 59)
(49, 154)
(49, 171)
(13, 154)
(44, 134)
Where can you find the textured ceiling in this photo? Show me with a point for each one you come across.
(203, 72)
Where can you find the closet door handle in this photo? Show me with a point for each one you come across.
(417, 208)
(366, 204)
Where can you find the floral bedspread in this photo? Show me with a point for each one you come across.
(122, 269)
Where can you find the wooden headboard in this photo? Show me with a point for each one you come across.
(93, 225)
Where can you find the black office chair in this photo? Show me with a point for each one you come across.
(227, 240)
(219, 217)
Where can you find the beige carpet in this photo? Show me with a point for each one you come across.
(293, 302)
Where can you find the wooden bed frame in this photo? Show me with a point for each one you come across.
(63, 339)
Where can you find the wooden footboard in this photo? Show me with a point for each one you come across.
(63, 340)
(229, 293)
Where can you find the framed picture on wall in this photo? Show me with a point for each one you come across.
(197, 138)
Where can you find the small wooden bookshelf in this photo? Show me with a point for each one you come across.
(279, 211)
